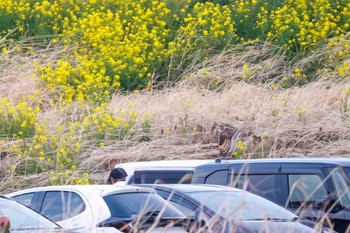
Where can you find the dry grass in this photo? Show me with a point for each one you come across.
(269, 118)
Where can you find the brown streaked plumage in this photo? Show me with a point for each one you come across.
(228, 139)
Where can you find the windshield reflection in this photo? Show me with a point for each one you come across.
(241, 205)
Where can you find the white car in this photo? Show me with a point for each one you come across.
(160, 171)
(103, 208)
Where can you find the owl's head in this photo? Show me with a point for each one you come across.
(225, 126)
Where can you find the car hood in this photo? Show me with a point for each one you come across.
(268, 227)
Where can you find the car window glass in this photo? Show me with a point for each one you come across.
(307, 189)
(23, 217)
(131, 180)
(219, 177)
(179, 202)
(25, 199)
(183, 208)
(347, 172)
(162, 177)
(130, 205)
(61, 205)
(341, 187)
(239, 205)
(264, 185)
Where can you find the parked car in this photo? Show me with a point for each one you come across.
(104, 208)
(15, 217)
(163, 171)
(316, 188)
(226, 209)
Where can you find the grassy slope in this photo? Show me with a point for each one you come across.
(270, 120)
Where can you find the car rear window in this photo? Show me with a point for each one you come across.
(128, 205)
(163, 177)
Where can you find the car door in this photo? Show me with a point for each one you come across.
(262, 179)
(307, 187)
(67, 208)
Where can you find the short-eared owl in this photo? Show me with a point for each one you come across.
(228, 139)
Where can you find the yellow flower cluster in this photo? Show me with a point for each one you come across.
(344, 69)
(69, 177)
(103, 124)
(114, 46)
(301, 24)
(241, 149)
(207, 23)
(56, 148)
(17, 121)
(119, 44)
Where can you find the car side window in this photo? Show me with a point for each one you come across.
(264, 185)
(183, 205)
(305, 190)
(131, 180)
(218, 177)
(62, 205)
(25, 199)
(180, 203)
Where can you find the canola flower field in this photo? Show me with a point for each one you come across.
(107, 47)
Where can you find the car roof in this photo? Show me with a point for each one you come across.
(130, 167)
(320, 160)
(104, 190)
(188, 188)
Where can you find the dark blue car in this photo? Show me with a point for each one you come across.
(225, 209)
(315, 188)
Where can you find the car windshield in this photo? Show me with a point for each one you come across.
(241, 205)
(341, 186)
(22, 217)
(129, 205)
